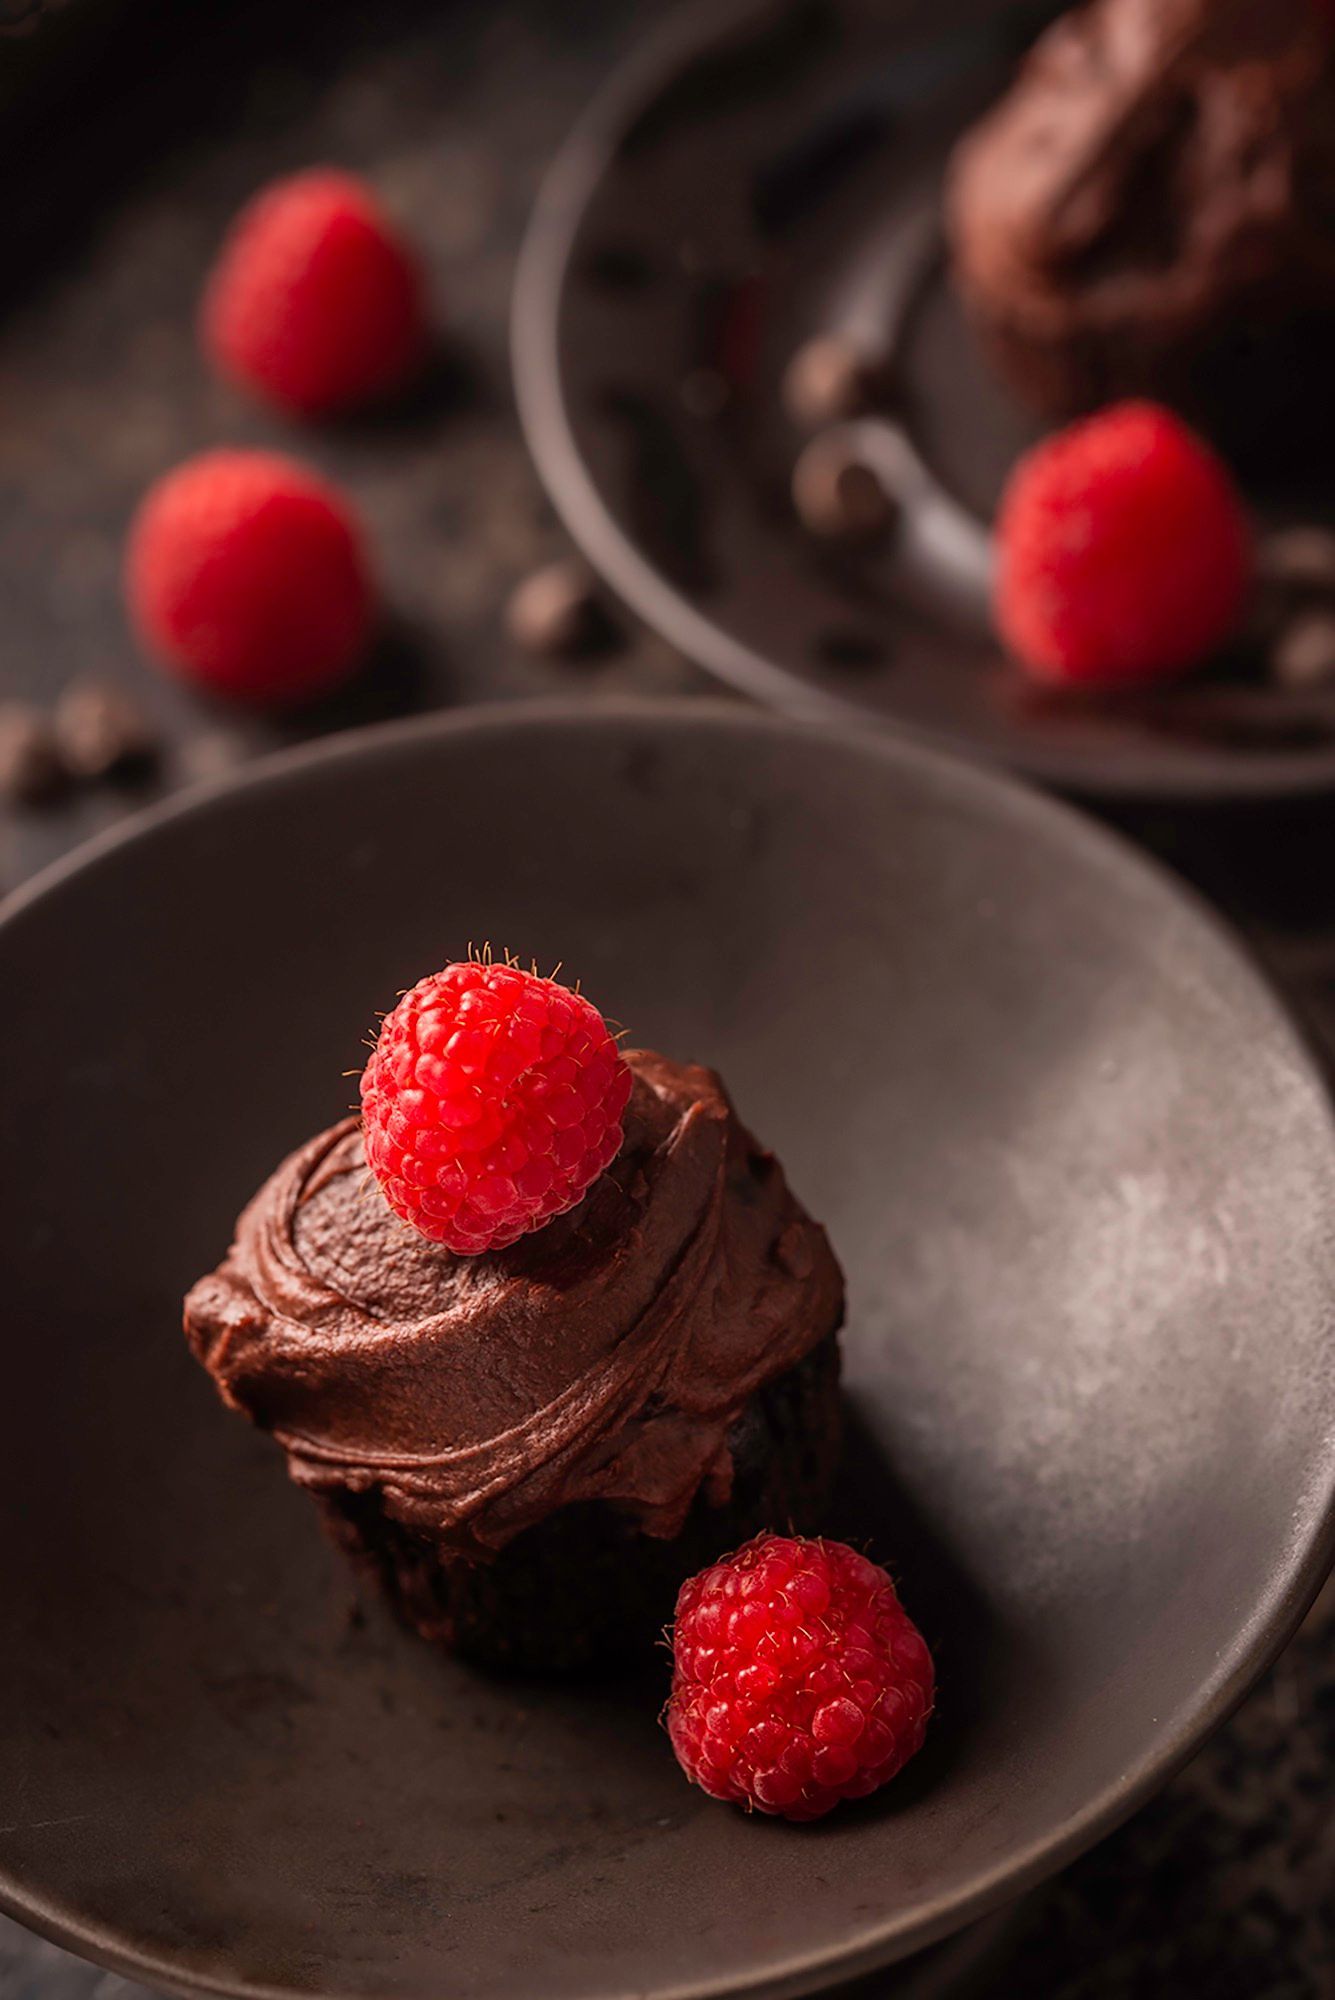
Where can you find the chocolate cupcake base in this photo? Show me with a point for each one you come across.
(587, 1587)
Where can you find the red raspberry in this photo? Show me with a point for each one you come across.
(246, 573)
(314, 302)
(492, 1100)
(800, 1679)
(1123, 551)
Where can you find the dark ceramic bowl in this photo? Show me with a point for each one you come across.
(1079, 1169)
(765, 172)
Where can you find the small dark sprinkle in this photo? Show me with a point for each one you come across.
(31, 770)
(837, 496)
(1303, 655)
(828, 379)
(555, 612)
(1299, 557)
(101, 732)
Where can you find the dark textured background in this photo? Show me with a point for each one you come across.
(123, 151)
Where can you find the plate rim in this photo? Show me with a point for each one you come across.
(537, 296)
(1269, 1625)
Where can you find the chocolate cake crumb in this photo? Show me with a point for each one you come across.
(101, 732)
(555, 613)
(837, 496)
(30, 766)
(828, 379)
(1304, 654)
(1303, 558)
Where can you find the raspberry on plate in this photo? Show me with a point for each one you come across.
(493, 1099)
(314, 302)
(799, 1679)
(1124, 552)
(245, 573)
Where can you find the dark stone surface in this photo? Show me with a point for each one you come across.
(453, 110)
(1224, 1885)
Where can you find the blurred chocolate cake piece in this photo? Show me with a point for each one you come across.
(1151, 210)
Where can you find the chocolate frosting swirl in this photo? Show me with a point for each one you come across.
(605, 1356)
(1158, 166)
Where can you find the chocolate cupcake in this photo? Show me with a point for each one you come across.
(1151, 210)
(530, 1446)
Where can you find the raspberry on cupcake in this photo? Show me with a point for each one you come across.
(569, 1336)
(493, 1099)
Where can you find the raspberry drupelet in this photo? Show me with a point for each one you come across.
(799, 1679)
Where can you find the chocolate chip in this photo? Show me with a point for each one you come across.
(101, 732)
(30, 766)
(1303, 558)
(1303, 656)
(837, 496)
(555, 612)
(828, 379)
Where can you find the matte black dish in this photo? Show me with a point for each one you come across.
(768, 171)
(1079, 1170)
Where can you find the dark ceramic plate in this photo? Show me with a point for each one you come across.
(768, 171)
(1077, 1164)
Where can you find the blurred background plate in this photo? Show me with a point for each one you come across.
(1080, 1171)
(769, 171)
